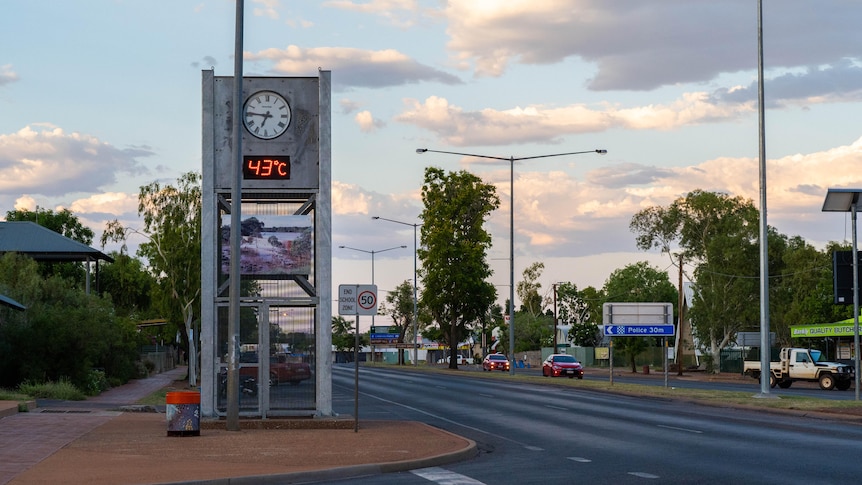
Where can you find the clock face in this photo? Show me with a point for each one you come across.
(266, 114)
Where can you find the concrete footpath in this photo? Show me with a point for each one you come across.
(99, 441)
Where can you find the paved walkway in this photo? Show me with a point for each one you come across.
(28, 438)
(91, 443)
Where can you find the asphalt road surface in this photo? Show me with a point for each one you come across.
(541, 433)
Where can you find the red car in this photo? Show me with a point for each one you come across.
(562, 365)
(495, 362)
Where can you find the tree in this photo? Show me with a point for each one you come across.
(172, 228)
(718, 234)
(65, 223)
(454, 252)
(573, 309)
(638, 282)
(64, 333)
(528, 289)
(129, 285)
(398, 304)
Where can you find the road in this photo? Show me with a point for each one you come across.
(541, 433)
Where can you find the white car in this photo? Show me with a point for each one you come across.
(461, 360)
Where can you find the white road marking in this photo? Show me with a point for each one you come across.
(687, 430)
(580, 459)
(644, 475)
(556, 407)
(534, 448)
(444, 477)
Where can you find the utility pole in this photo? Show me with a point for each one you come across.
(681, 305)
(555, 319)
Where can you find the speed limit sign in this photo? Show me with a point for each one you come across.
(366, 299)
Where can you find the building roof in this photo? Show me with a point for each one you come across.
(43, 244)
(6, 301)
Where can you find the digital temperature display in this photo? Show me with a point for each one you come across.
(266, 168)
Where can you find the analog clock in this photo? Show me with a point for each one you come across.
(266, 114)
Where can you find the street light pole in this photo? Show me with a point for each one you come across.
(512, 161)
(372, 253)
(415, 284)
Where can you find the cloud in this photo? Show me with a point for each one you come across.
(50, 162)
(838, 83)
(268, 8)
(367, 123)
(354, 67)
(400, 13)
(206, 62)
(7, 75)
(559, 216)
(537, 123)
(665, 43)
(348, 106)
(107, 204)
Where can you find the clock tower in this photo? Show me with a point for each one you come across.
(285, 255)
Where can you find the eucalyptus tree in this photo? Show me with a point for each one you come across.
(637, 282)
(718, 235)
(398, 304)
(454, 252)
(172, 232)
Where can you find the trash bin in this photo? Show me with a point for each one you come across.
(646, 369)
(183, 412)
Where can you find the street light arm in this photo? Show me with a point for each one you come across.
(598, 151)
(397, 222)
(512, 159)
(423, 150)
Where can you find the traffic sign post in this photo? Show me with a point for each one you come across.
(638, 330)
(357, 300)
(638, 320)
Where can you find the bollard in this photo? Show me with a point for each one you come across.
(183, 412)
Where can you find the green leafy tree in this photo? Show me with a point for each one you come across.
(344, 336)
(65, 223)
(398, 304)
(64, 333)
(454, 252)
(718, 234)
(573, 308)
(638, 282)
(172, 229)
(129, 285)
(528, 289)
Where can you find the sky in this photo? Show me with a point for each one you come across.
(100, 97)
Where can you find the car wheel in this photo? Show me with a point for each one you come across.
(785, 384)
(843, 385)
(827, 382)
(581, 376)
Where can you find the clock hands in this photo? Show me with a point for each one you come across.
(266, 116)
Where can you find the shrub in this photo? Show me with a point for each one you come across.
(96, 382)
(62, 389)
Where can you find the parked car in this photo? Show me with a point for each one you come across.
(461, 360)
(557, 365)
(495, 362)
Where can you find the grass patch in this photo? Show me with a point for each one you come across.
(62, 389)
(9, 395)
(159, 397)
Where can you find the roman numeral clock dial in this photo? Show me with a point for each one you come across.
(266, 114)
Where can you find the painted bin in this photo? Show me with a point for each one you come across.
(183, 412)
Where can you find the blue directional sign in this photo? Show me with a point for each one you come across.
(384, 335)
(638, 330)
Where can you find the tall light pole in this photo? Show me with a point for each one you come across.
(415, 284)
(511, 161)
(372, 253)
